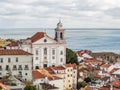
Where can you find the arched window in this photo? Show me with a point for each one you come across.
(53, 52)
(61, 52)
(61, 35)
(37, 67)
(56, 35)
(45, 51)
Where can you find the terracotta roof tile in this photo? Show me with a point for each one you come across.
(13, 52)
(49, 70)
(106, 65)
(58, 68)
(71, 65)
(87, 88)
(91, 60)
(113, 70)
(115, 83)
(53, 78)
(36, 74)
(37, 36)
(4, 87)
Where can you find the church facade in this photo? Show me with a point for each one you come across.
(47, 51)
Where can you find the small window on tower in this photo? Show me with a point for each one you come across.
(61, 35)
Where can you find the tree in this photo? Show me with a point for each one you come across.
(71, 57)
(0, 88)
(30, 88)
(87, 80)
(81, 85)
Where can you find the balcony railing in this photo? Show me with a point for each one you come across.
(14, 68)
(20, 69)
(26, 68)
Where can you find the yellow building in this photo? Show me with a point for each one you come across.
(4, 43)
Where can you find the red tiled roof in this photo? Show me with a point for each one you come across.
(71, 65)
(13, 52)
(58, 68)
(106, 88)
(36, 74)
(37, 36)
(115, 83)
(106, 65)
(4, 87)
(53, 78)
(49, 70)
(113, 70)
(87, 88)
(91, 60)
(12, 44)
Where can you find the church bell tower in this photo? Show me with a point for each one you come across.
(59, 33)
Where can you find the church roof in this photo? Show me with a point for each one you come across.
(37, 36)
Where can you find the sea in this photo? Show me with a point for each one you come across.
(94, 39)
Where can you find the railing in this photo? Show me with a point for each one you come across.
(26, 68)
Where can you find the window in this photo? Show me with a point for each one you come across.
(36, 58)
(9, 60)
(16, 59)
(45, 51)
(45, 65)
(69, 85)
(0, 68)
(61, 52)
(53, 57)
(45, 40)
(20, 74)
(61, 35)
(14, 67)
(26, 74)
(36, 52)
(45, 58)
(20, 67)
(37, 67)
(53, 52)
(56, 35)
(53, 65)
(68, 75)
(26, 67)
(7, 67)
(1, 60)
(61, 60)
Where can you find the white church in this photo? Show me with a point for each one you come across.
(47, 51)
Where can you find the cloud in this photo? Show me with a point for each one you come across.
(81, 12)
(114, 12)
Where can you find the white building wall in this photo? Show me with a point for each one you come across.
(57, 83)
(22, 60)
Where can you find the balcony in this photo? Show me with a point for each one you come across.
(20, 69)
(14, 69)
(26, 68)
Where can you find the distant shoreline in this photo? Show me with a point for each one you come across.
(67, 28)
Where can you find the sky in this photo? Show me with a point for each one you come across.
(73, 13)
